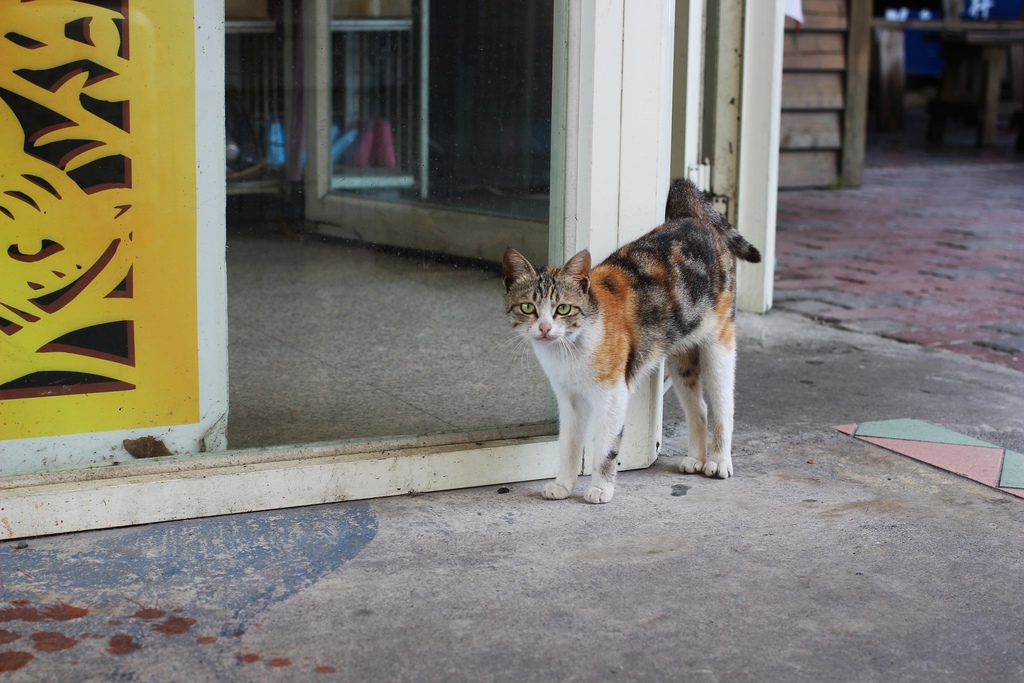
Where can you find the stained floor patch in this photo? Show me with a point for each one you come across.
(960, 454)
(160, 589)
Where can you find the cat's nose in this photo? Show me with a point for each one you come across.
(545, 328)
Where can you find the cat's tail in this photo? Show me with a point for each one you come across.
(686, 201)
(740, 247)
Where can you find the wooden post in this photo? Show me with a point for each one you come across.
(858, 63)
(892, 68)
(995, 63)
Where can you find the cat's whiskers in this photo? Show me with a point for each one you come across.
(568, 350)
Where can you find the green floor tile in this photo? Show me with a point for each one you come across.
(1013, 470)
(917, 430)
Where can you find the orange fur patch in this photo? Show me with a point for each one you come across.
(657, 271)
(724, 323)
(614, 293)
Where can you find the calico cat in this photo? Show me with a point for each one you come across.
(596, 332)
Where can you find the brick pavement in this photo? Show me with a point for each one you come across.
(930, 251)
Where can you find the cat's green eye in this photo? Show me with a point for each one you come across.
(527, 308)
(563, 309)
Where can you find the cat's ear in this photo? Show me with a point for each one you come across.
(578, 268)
(515, 266)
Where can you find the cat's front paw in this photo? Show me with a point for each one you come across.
(690, 465)
(599, 494)
(721, 469)
(555, 491)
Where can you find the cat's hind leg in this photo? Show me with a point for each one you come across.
(611, 414)
(686, 374)
(718, 368)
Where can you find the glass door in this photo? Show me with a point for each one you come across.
(429, 129)
(430, 125)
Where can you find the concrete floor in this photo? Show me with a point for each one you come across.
(824, 558)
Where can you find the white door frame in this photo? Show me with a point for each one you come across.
(618, 161)
(738, 129)
(617, 174)
(758, 172)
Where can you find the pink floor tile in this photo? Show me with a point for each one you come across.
(974, 462)
(846, 429)
(1016, 492)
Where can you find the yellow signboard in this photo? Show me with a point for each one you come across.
(97, 216)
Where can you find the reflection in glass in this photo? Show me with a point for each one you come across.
(453, 109)
(381, 314)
